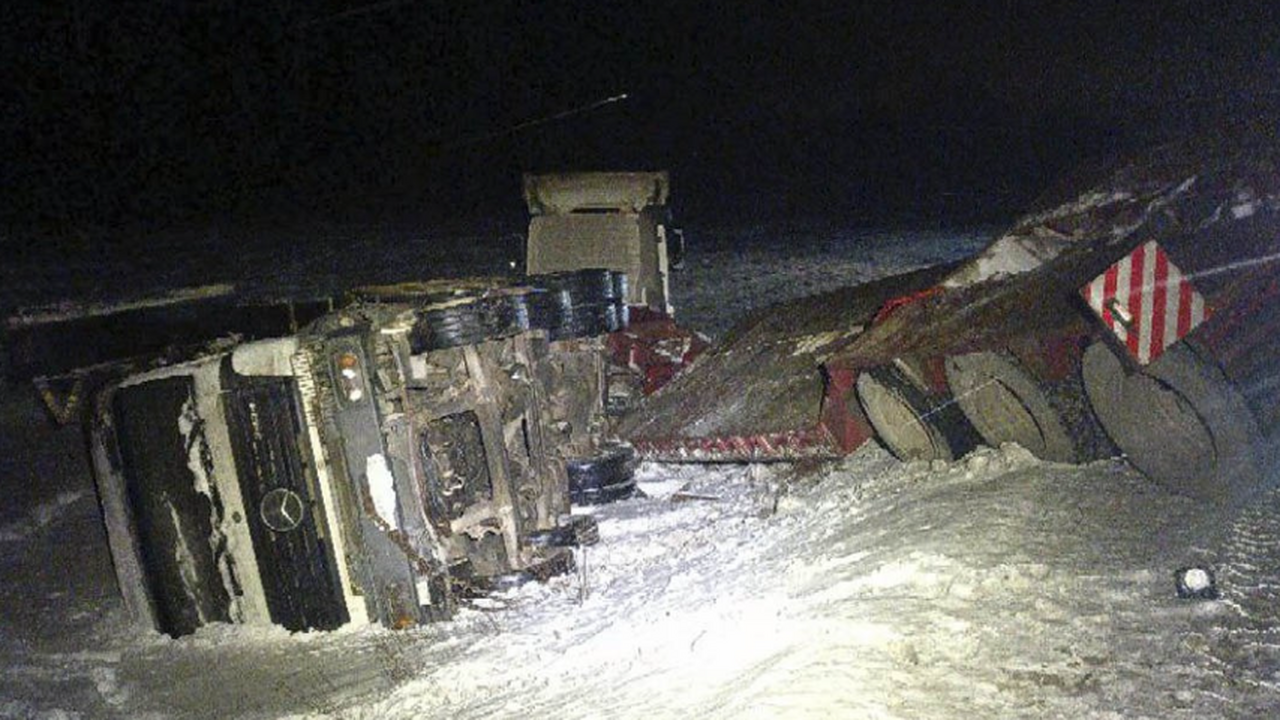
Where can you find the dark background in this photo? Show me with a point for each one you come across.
(136, 118)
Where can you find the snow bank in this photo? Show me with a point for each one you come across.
(996, 586)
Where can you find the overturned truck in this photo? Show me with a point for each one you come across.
(384, 462)
(378, 456)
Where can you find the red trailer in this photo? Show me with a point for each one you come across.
(1134, 310)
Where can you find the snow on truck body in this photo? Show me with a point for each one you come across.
(372, 468)
(188, 536)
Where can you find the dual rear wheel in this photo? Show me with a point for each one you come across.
(910, 420)
(1178, 420)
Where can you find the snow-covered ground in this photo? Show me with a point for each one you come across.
(995, 586)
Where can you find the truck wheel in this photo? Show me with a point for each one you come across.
(506, 313)
(586, 321)
(621, 316)
(451, 326)
(1179, 421)
(910, 423)
(620, 285)
(580, 303)
(1005, 404)
(603, 478)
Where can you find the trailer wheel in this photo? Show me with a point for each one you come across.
(910, 423)
(1005, 404)
(1179, 421)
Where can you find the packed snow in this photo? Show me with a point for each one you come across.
(994, 586)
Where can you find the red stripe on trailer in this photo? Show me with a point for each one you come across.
(1184, 308)
(1160, 299)
(811, 442)
(1146, 301)
(894, 303)
(1109, 284)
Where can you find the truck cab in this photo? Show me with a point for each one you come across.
(613, 220)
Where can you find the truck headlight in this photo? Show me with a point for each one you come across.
(350, 379)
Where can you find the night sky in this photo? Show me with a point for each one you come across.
(153, 115)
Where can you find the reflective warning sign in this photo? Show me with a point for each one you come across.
(1146, 301)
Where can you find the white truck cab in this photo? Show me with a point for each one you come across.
(613, 220)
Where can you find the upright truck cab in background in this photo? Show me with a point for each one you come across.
(619, 221)
(614, 220)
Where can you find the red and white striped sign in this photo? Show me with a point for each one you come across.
(1146, 301)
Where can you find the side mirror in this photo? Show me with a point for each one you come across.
(675, 248)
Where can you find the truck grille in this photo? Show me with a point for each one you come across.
(295, 559)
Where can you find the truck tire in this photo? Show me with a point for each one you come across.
(580, 303)
(438, 328)
(593, 285)
(620, 285)
(506, 314)
(1005, 404)
(603, 478)
(621, 317)
(1179, 421)
(912, 424)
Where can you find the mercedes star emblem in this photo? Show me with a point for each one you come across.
(282, 509)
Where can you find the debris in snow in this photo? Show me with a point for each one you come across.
(1196, 583)
(107, 683)
(1246, 205)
